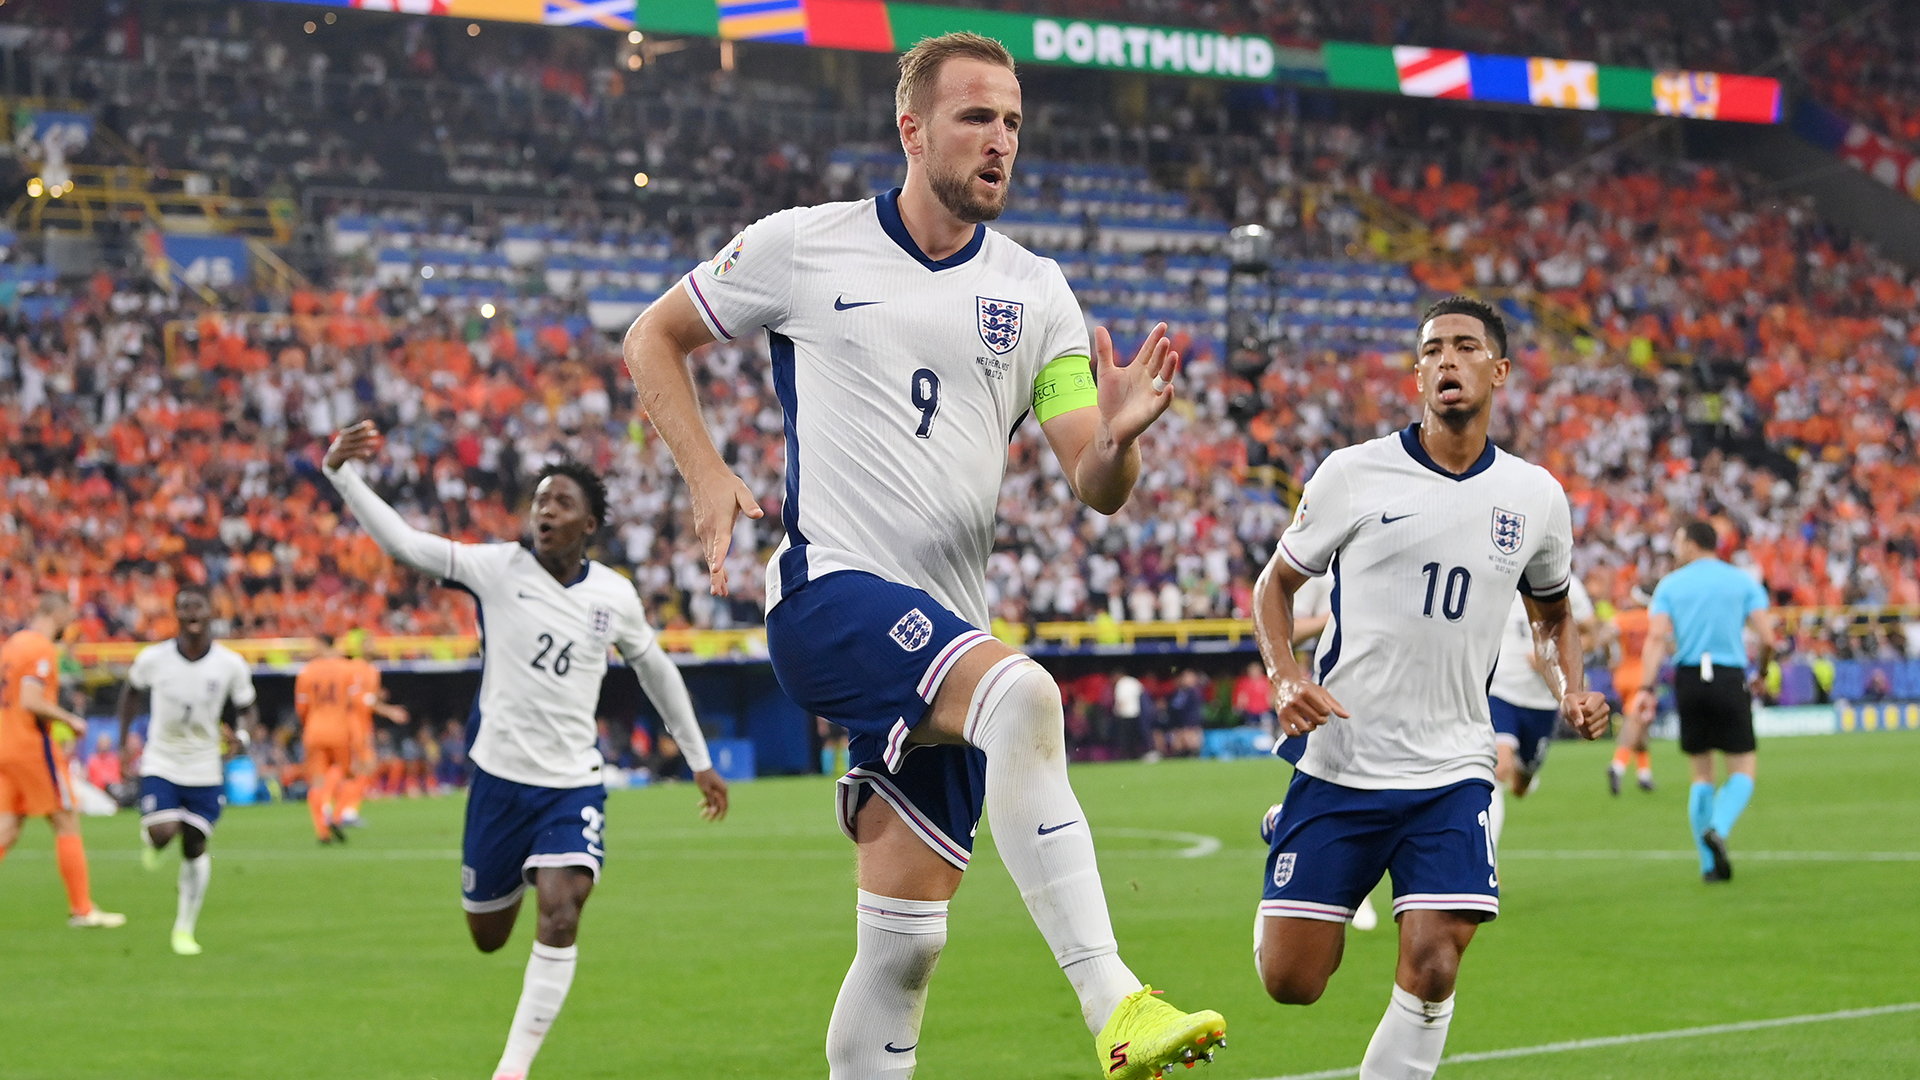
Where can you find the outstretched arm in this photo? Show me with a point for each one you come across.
(1556, 645)
(423, 551)
(656, 349)
(1097, 447)
(660, 678)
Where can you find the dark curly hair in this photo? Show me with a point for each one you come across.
(590, 483)
(1479, 309)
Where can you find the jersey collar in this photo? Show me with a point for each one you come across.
(1410, 438)
(888, 207)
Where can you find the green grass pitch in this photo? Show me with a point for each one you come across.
(717, 951)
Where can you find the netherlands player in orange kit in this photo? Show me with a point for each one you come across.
(33, 771)
(325, 694)
(364, 707)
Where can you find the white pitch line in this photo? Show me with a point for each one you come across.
(1198, 845)
(1625, 1040)
(1758, 856)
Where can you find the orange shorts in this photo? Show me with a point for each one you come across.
(35, 785)
(326, 755)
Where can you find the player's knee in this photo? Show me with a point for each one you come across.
(1430, 968)
(1030, 703)
(1289, 987)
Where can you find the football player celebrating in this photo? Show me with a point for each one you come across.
(536, 808)
(1426, 532)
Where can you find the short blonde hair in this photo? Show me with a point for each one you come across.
(920, 66)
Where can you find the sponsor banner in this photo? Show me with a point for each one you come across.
(216, 262)
(1545, 82)
(45, 128)
(1878, 716)
(1414, 71)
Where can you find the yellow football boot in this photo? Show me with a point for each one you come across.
(1146, 1037)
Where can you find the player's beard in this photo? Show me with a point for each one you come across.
(954, 189)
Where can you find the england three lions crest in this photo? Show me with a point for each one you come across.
(602, 622)
(999, 323)
(1509, 530)
(1283, 869)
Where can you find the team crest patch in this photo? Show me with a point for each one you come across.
(913, 631)
(999, 323)
(1509, 529)
(1283, 869)
(730, 257)
(602, 622)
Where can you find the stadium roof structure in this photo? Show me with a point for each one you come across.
(1411, 71)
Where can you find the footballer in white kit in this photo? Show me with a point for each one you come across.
(908, 342)
(198, 691)
(1427, 533)
(536, 808)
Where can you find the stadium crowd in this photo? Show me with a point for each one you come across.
(1742, 360)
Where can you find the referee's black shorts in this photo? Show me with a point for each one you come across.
(1715, 714)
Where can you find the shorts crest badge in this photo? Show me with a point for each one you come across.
(913, 631)
(1283, 869)
(999, 323)
(1509, 529)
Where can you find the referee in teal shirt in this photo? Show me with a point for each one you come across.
(1698, 614)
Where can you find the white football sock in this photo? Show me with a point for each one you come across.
(193, 889)
(1410, 1039)
(876, 1019)
(1497, 814)
(549, 975)
(1016, 719)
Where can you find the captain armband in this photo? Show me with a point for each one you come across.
(1065, 384)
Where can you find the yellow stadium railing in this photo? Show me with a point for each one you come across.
(751, 642)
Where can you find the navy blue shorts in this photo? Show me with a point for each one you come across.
(515, 829)
(163, 800)
(1332, 844)
(1528, 731)
(869, 655)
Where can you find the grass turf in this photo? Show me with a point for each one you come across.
(717, 951)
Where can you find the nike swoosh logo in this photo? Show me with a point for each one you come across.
(892, 1049)
(1045, 831)
(840, 304)
(1385, 520)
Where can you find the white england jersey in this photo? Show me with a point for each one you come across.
(1514, 679)
(543, 653)
(186, 700)
(902, 379)
(1424, 566)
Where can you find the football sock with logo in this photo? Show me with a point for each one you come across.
(1497, 814)
(72, 856)
(549, 976)
(193, 889)
(1730, 802)
(1700, 818)
(1410, 1039)
(876, 1019)
(1016, 719)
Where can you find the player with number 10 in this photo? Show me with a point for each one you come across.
(536, 810)
(1427, 533)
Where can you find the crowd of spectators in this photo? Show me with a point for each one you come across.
(1731, 357)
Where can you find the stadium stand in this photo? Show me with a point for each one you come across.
(1691, 344)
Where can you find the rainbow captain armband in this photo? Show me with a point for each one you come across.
(1065, 384)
